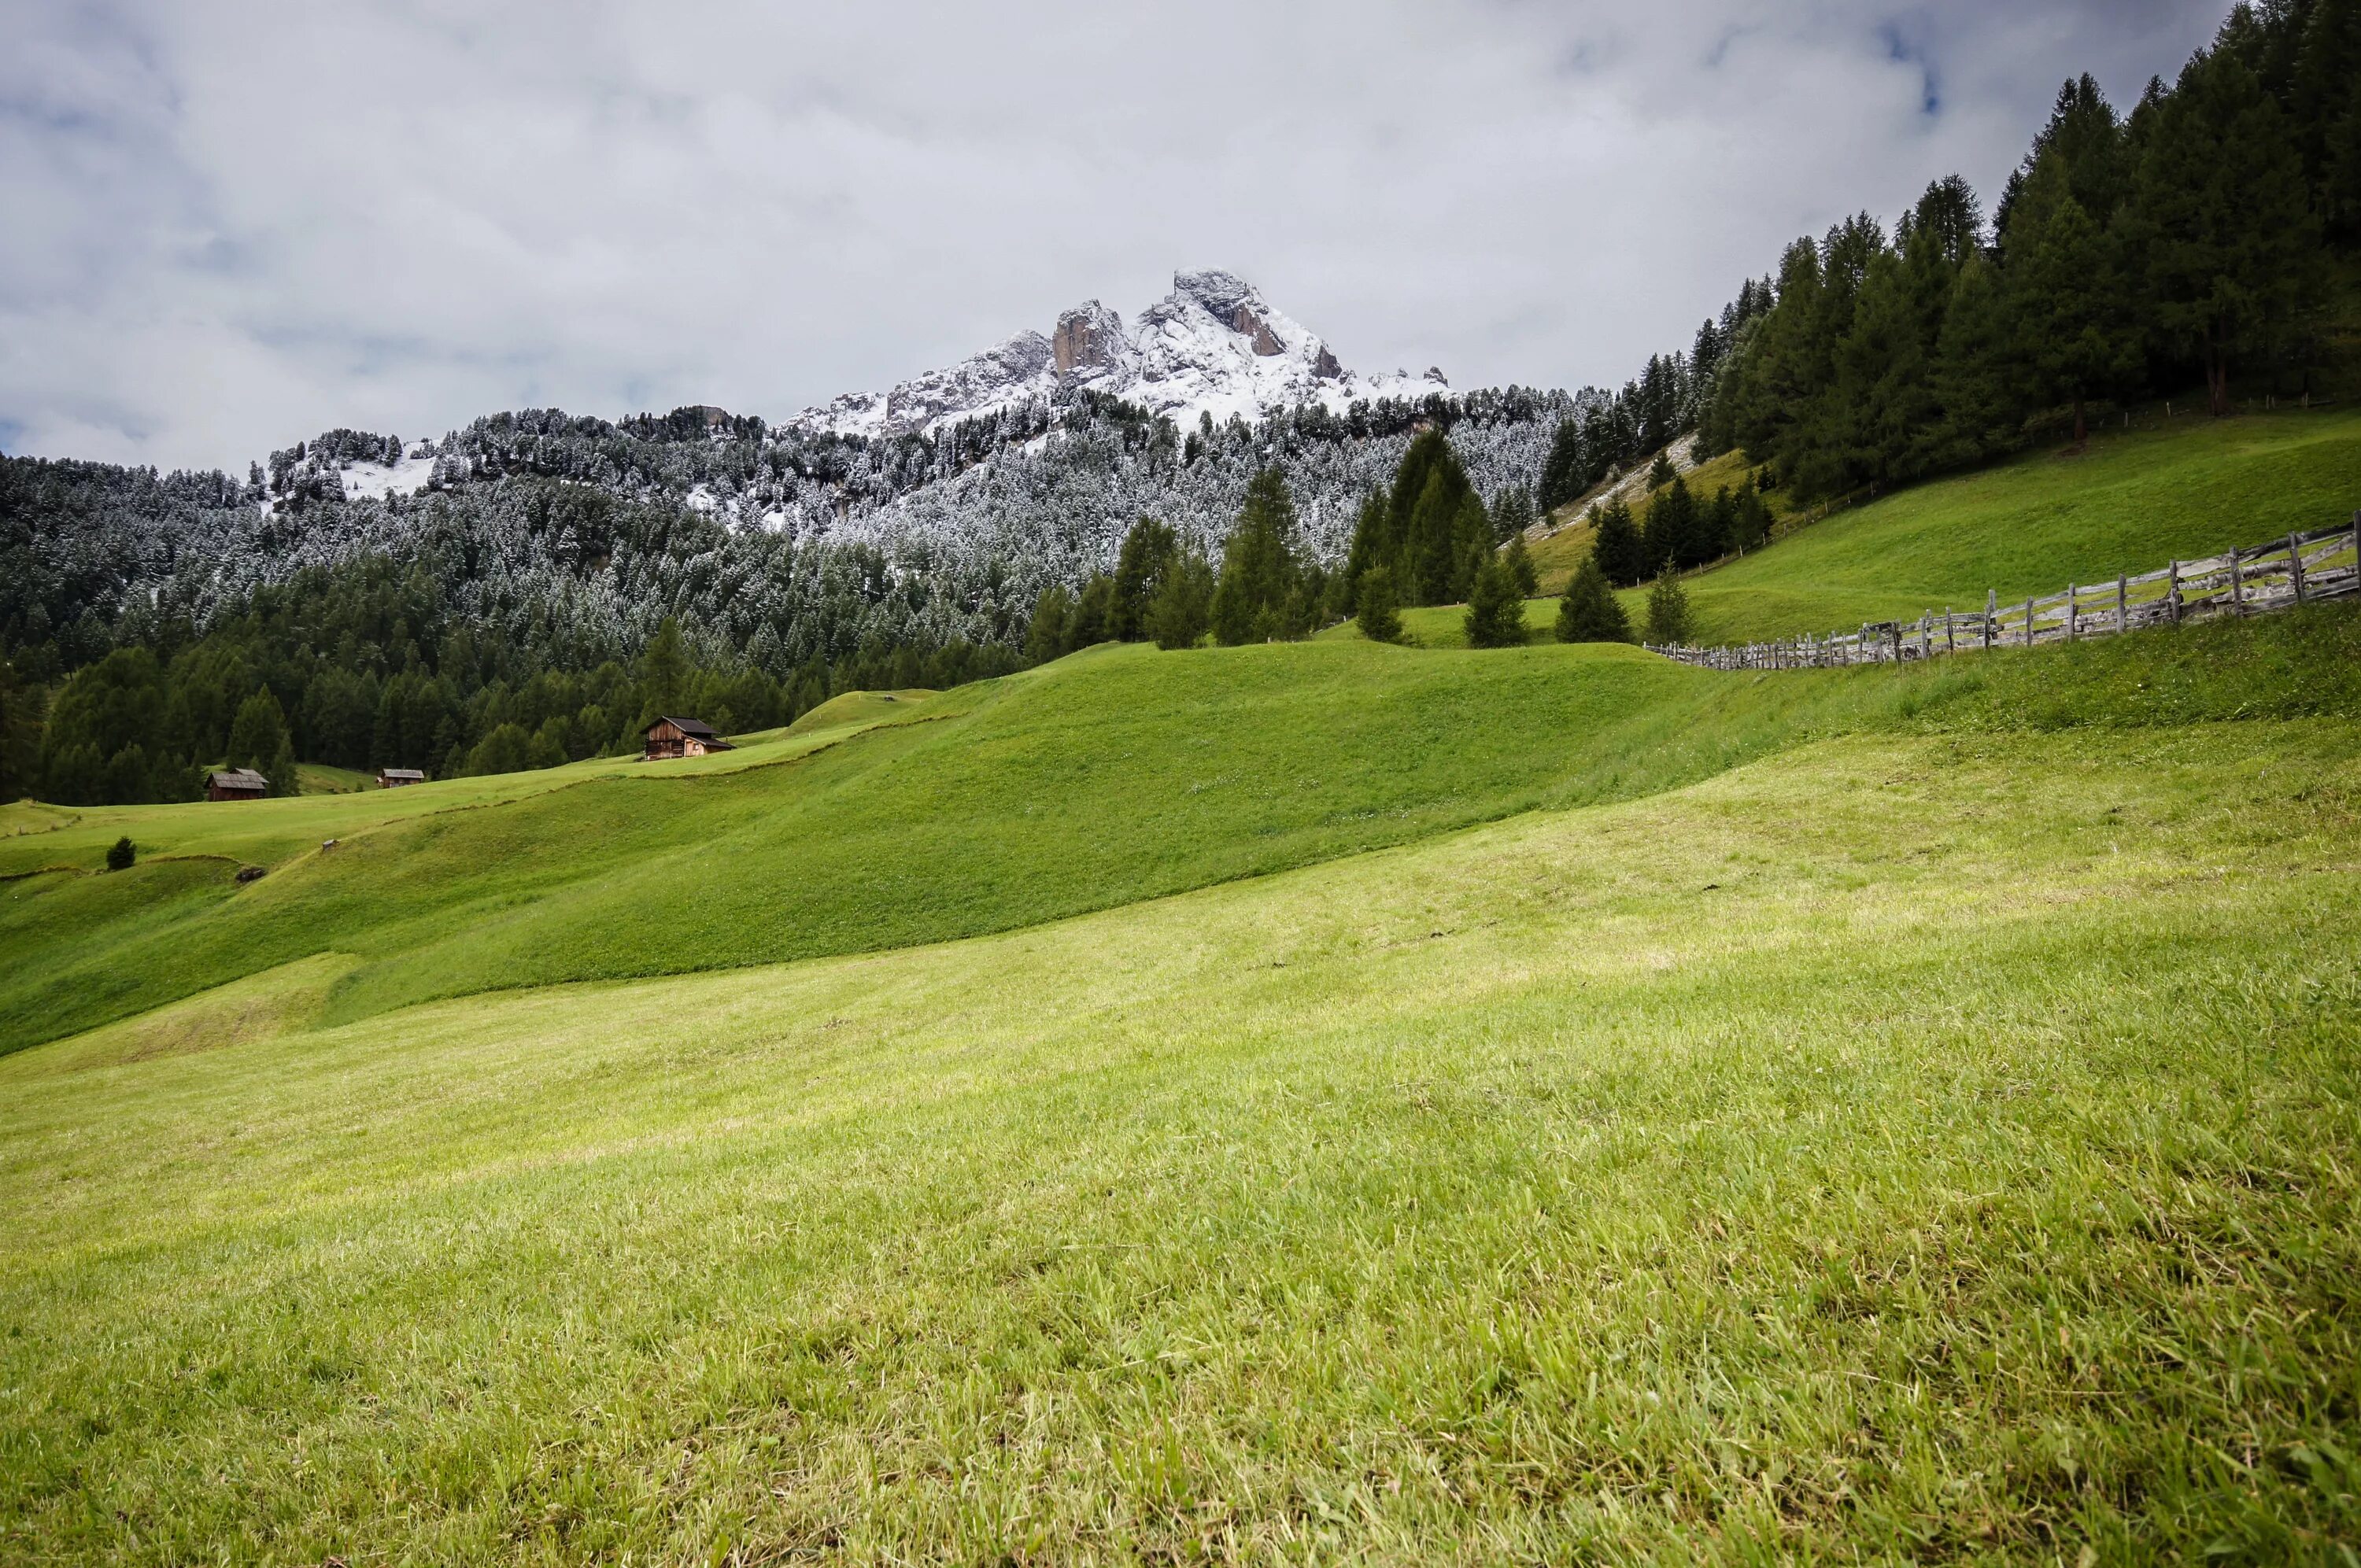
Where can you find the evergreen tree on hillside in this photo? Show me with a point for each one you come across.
(1182, 608)
(1496, 615)
(1053, 615)
(2219, 219)
(1512, 513)
(1262, 567)
(1380, 619)
(259, 740)
(664, 674)
(2069, 296)
(1148, 550)
(1590, 612)
(1661, 472)
(1672, 537)
(1668, 611)
(1094, 614)
(1563, 473)
(1617, 547)
(1518, 562)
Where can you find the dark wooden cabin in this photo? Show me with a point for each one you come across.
(394, 778)
(669, 736)
(237, 783)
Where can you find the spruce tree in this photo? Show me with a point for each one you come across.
(1616, 544)
(2219, 221)
(1563, 476)
(1512, 513)
(1093, 615)
(1661, 472)
(1518, 562)
(1496, 616)
(1261, 566)
(663, 672)
(259, 740)
(1182, 608)
(1148, 550)
(1590, 612)
(120, 855)
(2069, 301)
(1045, 637)
(1380, 621)
(1668, 611)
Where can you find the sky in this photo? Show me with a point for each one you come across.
(231, 227)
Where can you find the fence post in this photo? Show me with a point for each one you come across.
(2029, 624)
(2173, 593)
(2237, 589)
(1991, 616)
(2071, 591)
(2121, 624)
(2295, 563)
(1925, 648)
(1950, 631)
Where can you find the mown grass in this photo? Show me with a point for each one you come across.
(1934, 1144)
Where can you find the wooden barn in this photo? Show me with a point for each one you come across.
(394, 778)
(237, 783)
(669, 736)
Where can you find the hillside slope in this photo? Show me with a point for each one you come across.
(2132, 501)
(1112, 776)
(1863, 1154)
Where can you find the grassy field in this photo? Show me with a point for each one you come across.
(1305, 1103)
(1937, 1141)
(2134, 500)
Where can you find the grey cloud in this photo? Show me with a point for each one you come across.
(234, 225)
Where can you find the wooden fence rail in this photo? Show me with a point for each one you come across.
(2298, 569)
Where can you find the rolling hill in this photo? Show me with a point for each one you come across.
(1289, 1101)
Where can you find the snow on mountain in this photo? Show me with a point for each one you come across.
(1212, 346)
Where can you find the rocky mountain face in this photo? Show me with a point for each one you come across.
(1212, 346)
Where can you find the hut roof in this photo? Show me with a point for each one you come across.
(404, 773)
(240, 778)
(696, 727)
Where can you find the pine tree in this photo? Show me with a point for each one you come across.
(1512, 513)
(2219, 219)
(1518, 562)
(1496, 616)
(1262, 567)
(1668, 611)
(1617, 545)
(1045, 635)
(664, 673)
(1182, 608)
(1661, 472)
(1147, 551)
(1590, 612)
(1380, 621)
(1094, 612)
(1563, 476)
(259, 740)
(2069, 299)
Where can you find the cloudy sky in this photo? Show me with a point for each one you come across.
(232, 226)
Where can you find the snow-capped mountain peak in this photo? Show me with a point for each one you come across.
(1212, 346)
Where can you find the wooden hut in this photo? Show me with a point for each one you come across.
(237, 783)
(394, 778)
(669, 736)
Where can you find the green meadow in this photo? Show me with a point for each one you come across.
(2131, 501)
(1296, 1104)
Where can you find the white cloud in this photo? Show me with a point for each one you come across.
(234, 227)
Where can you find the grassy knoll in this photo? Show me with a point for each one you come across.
(2134, 500)
(35, 835)
(1117, 775)
(1934, 1144)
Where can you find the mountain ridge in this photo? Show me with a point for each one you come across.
(1212, 347)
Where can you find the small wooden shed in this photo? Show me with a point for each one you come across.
(237, 783)
(394, 778)
(669, 736)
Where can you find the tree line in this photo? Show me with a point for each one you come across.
(2194, 241)
(366, 665)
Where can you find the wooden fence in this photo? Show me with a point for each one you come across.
(2298, 569)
